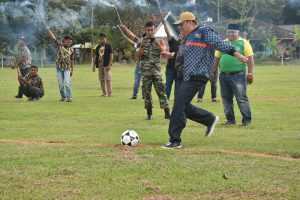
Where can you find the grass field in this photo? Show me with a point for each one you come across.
(58, 150)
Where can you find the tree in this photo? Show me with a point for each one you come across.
(248, 10)
(296, 41)
(273, 43)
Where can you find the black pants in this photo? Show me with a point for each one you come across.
(31, 92)
(183, 109)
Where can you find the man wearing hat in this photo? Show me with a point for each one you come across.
(199, 44)
(233, 76)
(23, 61)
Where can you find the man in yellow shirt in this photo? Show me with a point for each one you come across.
(233, 76)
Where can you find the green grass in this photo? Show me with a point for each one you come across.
(58, 150)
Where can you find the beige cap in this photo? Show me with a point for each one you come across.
(185, 16)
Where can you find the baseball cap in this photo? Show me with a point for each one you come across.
(185, 16)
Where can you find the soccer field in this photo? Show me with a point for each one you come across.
(59, 150)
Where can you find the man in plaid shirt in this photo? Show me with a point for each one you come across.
(198, 52)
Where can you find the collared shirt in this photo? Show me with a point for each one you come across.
(103, 52)
(65, 56)
(35, 81)
(151, 52)
(25, 57)
(150, 60)
(199, 53)
(232, 64)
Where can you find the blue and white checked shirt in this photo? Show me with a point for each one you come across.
(199, 53)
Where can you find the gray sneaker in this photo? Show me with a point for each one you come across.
(228, 123)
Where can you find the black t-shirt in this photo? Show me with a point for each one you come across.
(103, 52)
(173, 47)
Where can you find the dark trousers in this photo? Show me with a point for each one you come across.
(213, 88)
(170, 78)
(23, 72)
(183, 109)
(31, 92)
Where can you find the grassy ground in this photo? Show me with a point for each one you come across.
(58, 150)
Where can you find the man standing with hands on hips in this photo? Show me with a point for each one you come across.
(199, 50)
(233, 76)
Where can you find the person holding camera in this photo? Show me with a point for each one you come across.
(149, 55)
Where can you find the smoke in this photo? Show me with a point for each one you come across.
(190, 3)
(141, 3)
(104, 3)
(294, 3)
(19, 19)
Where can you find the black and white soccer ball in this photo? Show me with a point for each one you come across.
(130, 138)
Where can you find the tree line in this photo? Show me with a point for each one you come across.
(84, 20)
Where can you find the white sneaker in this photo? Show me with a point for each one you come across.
(211, 128)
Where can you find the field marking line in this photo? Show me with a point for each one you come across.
(190, 150)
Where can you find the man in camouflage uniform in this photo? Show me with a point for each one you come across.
(31, 85)
(149, 55)
(23, 61)
(64, 65)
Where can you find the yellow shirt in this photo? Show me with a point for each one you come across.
(247, 48)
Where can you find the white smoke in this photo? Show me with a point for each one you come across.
(295, 3)
(141, 3)
(191, 3)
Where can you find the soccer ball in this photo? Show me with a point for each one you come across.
(129, 138)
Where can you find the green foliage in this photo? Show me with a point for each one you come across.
(273, 44)
(297, 34)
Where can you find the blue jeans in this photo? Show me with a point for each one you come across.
(170, 77)
(235, 85)
(213, 88)
(183, 109)
(137, 81)
(63, 77)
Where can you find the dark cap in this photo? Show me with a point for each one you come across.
(102, 35)
(67, 37)
(233, 27)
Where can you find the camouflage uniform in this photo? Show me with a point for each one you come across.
(34, 89)
(151, 73)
